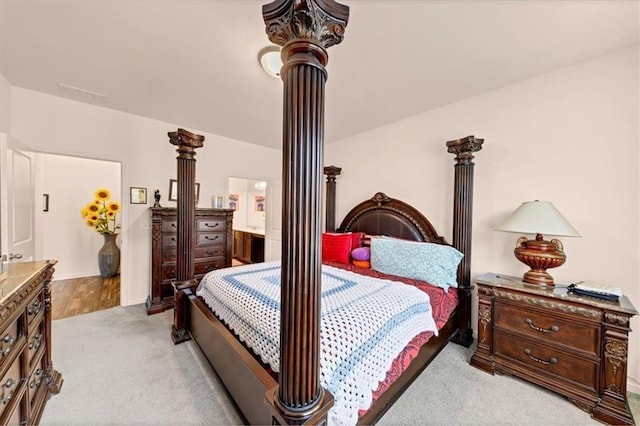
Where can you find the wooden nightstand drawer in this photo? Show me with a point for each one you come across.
(170, 226)
(550, 328)
(210, 224)
(204, 238)
(169, 272)
(9, 340)
(550, 360)
(204, 267)
(216, 250)
(9, 385)
(170, 241)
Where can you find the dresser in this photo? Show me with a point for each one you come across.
(573, 345)
(27, 377)
(212, 249)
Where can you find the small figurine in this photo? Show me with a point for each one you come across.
(156, 197)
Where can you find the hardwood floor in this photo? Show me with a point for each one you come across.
(83, 295)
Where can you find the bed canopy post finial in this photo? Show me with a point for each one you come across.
(462, 227)
(330, 221)
(304, 29)
(187, 144)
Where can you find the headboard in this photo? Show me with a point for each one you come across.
(382, 215)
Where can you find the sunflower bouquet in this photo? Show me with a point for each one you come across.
(100, 214)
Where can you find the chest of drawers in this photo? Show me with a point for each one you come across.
(27, 377)
(212, 247)
(575, 346)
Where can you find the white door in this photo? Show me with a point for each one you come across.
(273, 231)
(17, 204)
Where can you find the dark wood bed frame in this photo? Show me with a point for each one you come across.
(305, 29)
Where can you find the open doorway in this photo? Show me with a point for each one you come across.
(249, 200)
(66, 184)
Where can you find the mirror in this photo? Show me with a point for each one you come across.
(248, 198)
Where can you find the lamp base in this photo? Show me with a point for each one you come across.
(539, 278)
(539, 255)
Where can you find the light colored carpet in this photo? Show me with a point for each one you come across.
(120, 367)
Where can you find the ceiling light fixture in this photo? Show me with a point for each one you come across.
(269, 58)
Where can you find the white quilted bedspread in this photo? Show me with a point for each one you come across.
(365, 324)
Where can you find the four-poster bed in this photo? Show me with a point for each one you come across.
(305, 28)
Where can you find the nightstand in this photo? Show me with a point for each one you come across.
(573, 345)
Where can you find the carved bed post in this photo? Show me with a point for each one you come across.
(187, 143)
(462, 221)
(304, 29)
(330, 219)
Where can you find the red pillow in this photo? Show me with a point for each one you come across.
(336, 248)
(357, 240)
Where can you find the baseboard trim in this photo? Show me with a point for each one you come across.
(632, 386)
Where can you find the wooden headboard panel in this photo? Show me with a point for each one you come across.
(382, 215)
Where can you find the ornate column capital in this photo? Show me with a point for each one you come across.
(464, 148)
(332, 172)
(322, 21)
(186, 142)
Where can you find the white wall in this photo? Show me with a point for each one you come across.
(71, 183)
(55, 125)
(569, 136)
(5, 105)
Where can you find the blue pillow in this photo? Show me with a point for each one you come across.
(436, 264)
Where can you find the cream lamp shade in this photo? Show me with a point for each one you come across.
(539, 217)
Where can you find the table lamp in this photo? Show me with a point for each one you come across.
(539, 217)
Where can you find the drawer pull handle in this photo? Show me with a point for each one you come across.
(37, 339)
(541, 361)
(8, 339)
(173, 238)
(540, 329)
(33, 310)
(206, 237)
(215, 225)
(9, 384)
(173, 225)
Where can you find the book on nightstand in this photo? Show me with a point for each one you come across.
(606, 292)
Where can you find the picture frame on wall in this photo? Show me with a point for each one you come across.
(173, 190)
(260, 203)
(234, 201)
(137, 195)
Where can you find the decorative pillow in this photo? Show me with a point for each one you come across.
(436, 264)
(336, 248)
(362, 264)
(357, 239)
(361, 253)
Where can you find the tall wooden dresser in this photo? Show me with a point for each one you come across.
(574, 345)
(27, 377)
(213, 249)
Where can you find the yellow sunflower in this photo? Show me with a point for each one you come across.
(92, 208)
(113, 206)
(84, 212)
(103, 194)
